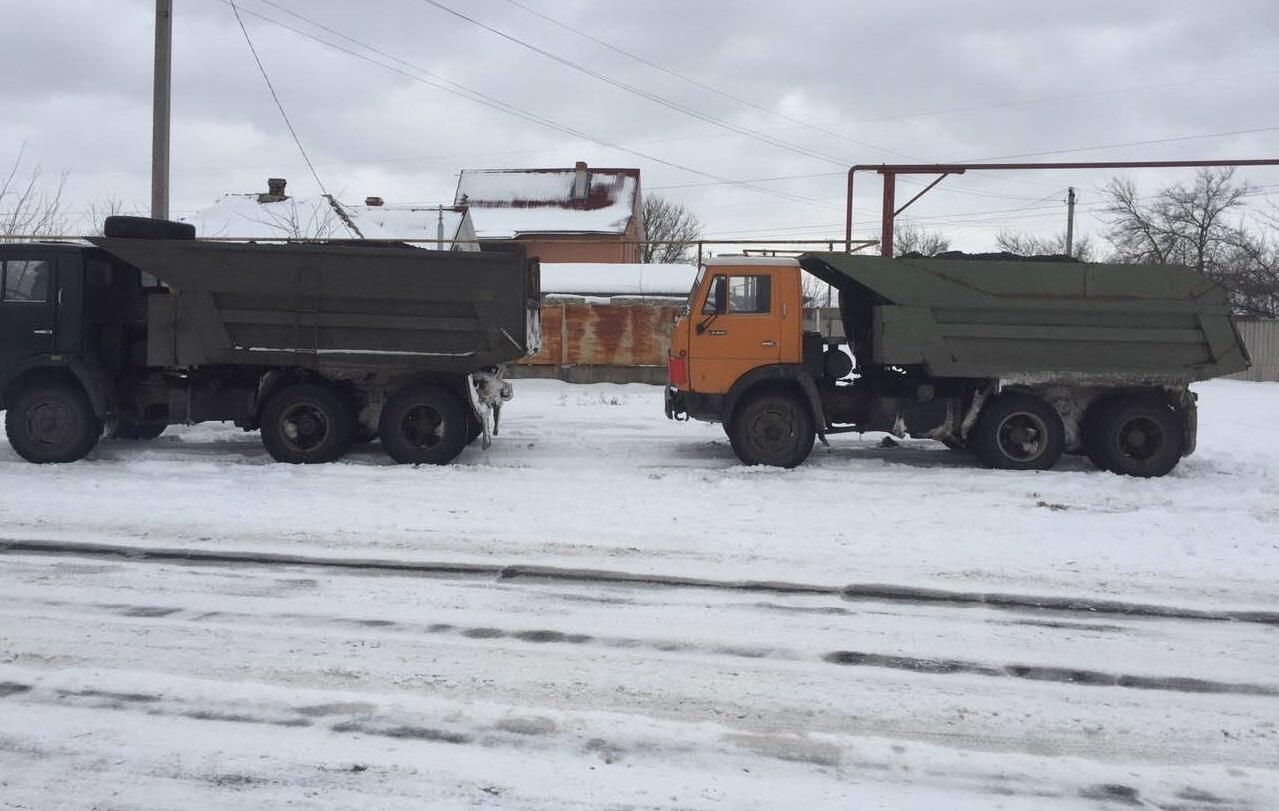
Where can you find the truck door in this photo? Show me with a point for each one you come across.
(28, 302)
(736, 327)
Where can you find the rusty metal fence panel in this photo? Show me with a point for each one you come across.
(1261, 336)
(615, 334)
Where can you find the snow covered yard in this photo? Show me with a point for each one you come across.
(895, 661)
(596, 477)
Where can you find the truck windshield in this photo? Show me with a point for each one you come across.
(697, 283)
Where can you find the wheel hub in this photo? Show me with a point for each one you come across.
(423, 426)
(48, 423)
(304, 426)
(1022, 437)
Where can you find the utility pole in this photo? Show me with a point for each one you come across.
(160, 112)
(1070, 221)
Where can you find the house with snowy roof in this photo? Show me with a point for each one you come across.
(560, 215)
(275, 215)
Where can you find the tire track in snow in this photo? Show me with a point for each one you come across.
(857, 592)
(495, 635)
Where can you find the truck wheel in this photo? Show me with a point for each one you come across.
(52, 422)
(126, 430)
(424, 425)
(1018, 432)
(773, 428)
(1136, 436)
(307, 423)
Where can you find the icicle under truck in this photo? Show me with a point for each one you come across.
(317, 345)
(1017, 360)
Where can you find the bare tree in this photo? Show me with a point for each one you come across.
(1180, 224)
(310, 219)
(1253, 262)
(98, 212)
(911, 239)
(1023, 244)
(1200, 225)
(673, 226)
(27, 207)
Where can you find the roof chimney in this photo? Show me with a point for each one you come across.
(579, 181)
(372, 202)
(274, 190)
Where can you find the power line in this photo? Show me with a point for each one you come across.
(275, 96)
(478, 97)
(709, 88)
(653, 97)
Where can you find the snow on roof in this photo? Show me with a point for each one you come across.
(745, 261)
(506, 203)
(242, 216)
(601, 279)
(392, 222)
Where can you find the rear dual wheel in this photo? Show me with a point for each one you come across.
(1018, 431)
(1134, 436)
(307, 423)
(425, 425)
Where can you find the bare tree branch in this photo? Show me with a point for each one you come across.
(672, 223)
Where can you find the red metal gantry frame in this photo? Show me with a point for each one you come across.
(890, 171)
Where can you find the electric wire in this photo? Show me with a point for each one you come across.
(478, 97)
(279, 106)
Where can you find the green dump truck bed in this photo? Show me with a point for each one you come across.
(984, 318)
(334, 305)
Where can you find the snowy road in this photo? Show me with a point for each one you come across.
(605, 611)
(131, 683)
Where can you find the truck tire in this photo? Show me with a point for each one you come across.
(424, 425)
(772, 428)
(1017, 431)
(52, 422)
(125, 227)
(139, 431)
(1136, 436)
(307, 423)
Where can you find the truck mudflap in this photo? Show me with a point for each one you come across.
(488, 391)
(1189, 404)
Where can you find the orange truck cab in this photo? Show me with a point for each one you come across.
(740, 356)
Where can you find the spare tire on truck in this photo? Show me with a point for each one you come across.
(122, 227)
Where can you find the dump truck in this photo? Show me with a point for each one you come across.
(1013, 359)
(316, 345)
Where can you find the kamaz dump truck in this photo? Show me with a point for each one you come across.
(1016, 360)
(317, 345)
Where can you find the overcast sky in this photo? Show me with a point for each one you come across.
(803, 88)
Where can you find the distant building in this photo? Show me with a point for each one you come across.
(560, 215)
(275, 215)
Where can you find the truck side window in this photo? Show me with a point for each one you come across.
(715, 302)
(27, 281)
(749, 294)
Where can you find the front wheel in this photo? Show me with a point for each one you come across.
(424, 425)
(307, 423)
(1018, 431)
(772, 428)
(1136, 436)
(52, 422)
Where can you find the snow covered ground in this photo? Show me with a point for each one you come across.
(577, 621)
